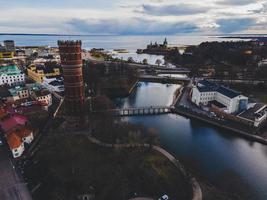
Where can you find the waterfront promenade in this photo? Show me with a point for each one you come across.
(186, 108)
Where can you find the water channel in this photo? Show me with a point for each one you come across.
(218, 155)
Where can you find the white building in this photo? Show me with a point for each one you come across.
(229, 101)
(17, 140)
(54, 84)
(15, 144)
(11, 75)
(256, 114)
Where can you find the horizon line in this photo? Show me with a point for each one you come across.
(83, 35)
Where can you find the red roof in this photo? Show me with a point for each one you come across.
(14, 141)
(12, 122)
(2, 113)
(23, 132)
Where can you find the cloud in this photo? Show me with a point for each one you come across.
(130, 17)
(237, 2)
(235, 24)
(133, 26)
(172, 10)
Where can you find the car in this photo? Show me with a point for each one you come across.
(164, 197)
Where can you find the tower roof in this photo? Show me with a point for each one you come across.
(69, 42)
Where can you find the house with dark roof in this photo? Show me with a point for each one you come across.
(38, 72)
(205, 93)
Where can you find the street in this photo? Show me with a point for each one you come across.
(12, 186)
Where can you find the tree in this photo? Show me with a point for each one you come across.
(130, 60)
(152, 136)
(145, 62)
(158, 62)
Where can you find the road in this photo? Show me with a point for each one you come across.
(12, 187)
(185, 105)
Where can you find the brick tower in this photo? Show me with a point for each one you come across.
(71, 61)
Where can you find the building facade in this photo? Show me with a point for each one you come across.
(230, 101)
(11, 75)
(39, 72)
(71, 61)
(16, 145)
(9, 45)
(17, 140)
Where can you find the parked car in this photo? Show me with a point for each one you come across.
(164, 197)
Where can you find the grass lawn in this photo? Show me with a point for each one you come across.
(68, 166)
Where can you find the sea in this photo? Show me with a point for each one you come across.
(110, 42)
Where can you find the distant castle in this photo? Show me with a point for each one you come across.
(156, 49)
(158, 46)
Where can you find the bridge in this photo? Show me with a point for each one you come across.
(139, 111)
(172, 71)
(158, 69)
(163, 79)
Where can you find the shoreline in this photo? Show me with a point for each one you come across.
(236, 131)
(196, 189)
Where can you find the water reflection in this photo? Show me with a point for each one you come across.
(220, 156)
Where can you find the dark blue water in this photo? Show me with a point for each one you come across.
(215, 153)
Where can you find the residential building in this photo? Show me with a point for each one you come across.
(18, 138)
(229, 101)
(9, 45)
(11, 75)
(6, 55)
(54, 84)
(43, 96)
(12, 122)
(19, 92)
(16, 145)
(14, 127)
(39, 72)
(256, 114)
(24, 133)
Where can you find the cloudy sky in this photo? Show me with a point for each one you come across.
(133, 17)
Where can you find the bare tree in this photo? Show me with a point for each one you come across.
(158, 62)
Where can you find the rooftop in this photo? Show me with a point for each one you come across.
(13, 141)
(22, 132)
(34, 86)
(251, 113)
(13, 91)
(10, 70)
(40, 93)
(207, 86)
(13, 121)
(45, 69)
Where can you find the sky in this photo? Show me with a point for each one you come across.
(134, 17)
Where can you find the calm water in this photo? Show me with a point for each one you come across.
(151, 59)
(109, 42)
(215, 153)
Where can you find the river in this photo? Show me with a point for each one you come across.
(219, 156)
